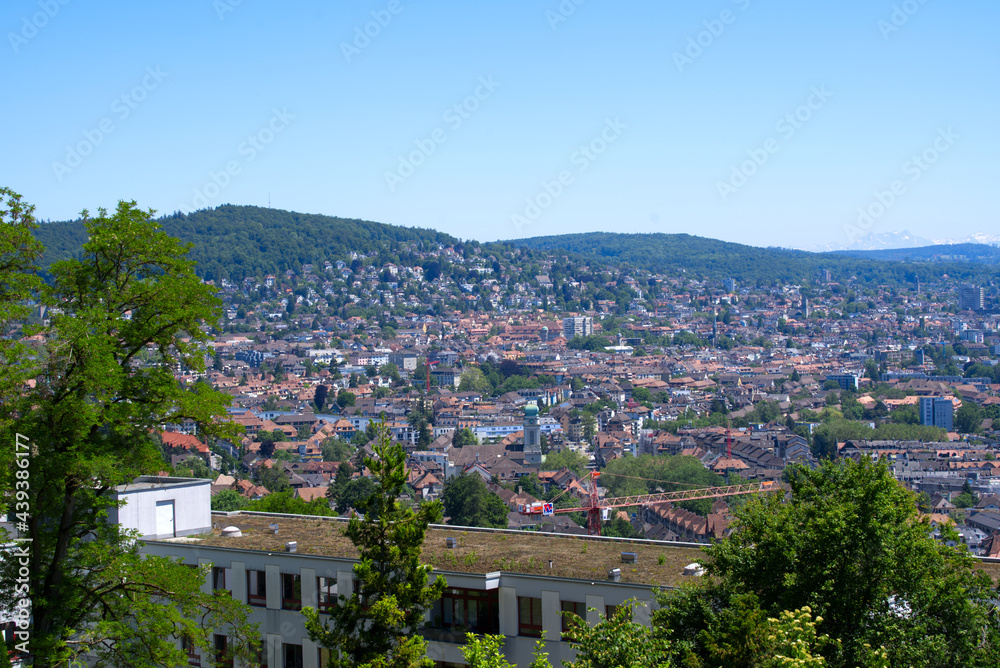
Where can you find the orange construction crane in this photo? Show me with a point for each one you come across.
(430, 365)
(595, 504)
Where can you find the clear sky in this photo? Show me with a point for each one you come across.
(769, 123)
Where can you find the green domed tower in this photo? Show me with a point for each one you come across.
(532, 436)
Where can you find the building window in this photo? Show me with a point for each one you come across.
(327, 590)
(291, 592)
(222, 656)
(471, 609)
(257, 588)
(262, 661)
(187, 644)
(291, 656)
(577, 608)
(529, 616)
(220, 579)
(610, 610)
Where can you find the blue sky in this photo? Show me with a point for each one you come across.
(769, 123)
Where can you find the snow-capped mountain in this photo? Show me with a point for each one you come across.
(977, 238)
(901, 239)
(877, 241)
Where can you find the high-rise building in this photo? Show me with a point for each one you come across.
(578, 326)
(971, 298)
(937, 412)
(846, 381)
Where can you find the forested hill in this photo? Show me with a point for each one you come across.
(238, 241)
(235, 242)
(710, 258)
(941, 253)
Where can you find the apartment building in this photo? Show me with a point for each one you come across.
(513, 583)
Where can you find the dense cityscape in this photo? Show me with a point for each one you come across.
(392, 334)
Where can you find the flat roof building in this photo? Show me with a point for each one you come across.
(515, 583)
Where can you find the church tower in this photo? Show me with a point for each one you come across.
(532, 436)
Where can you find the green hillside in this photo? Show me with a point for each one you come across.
(710, 258)
(235, 242)
(239, 241)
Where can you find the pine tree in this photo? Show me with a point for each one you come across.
(376, 625)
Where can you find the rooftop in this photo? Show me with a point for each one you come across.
(479, 551)
(483, 551)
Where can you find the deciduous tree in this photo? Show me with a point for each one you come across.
(88, 418)
(849, 544)
(617, 641)
(467, 502)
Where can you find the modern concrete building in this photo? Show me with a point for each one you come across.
(515, 583)
(578, 326)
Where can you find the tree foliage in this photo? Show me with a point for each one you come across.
(484, 652)
(467, 502)
(376, 625)
(648, 473)
(19, 282)
(849, 545)
(286, 502)
(89, 416)
(228, 500)
(570, 459)
(617, 641)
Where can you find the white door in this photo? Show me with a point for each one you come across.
(164, 519)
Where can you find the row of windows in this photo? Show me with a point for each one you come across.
(473, 610)
(291, 589)
(291, 654)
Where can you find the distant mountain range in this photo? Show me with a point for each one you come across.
(902, 239)
(967, 252)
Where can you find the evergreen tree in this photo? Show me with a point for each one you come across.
(339, 483)
(376, 625)
(319, 398)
